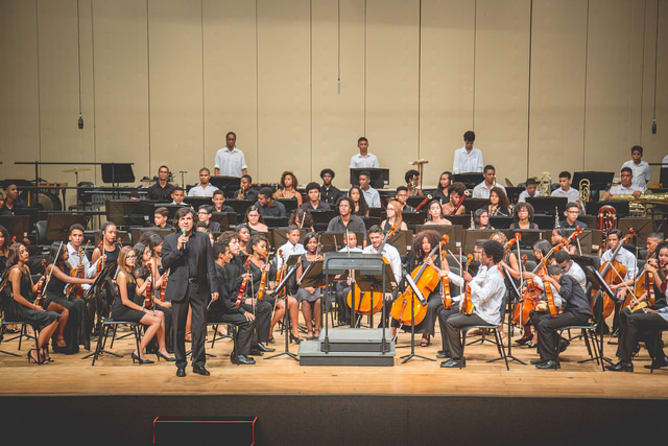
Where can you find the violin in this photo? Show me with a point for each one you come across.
(613, 272)
(370, 302)
(75, 289)
(644, 285)
(445, 282)
(426, 278)
(549, 294)
(279, 271)
(100, 263)
(467, 304)
(40, 286)
(263, 281)
(147, 294)
(242, 288)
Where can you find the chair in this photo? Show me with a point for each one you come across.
(496, 328)
(591, 338)
(110, 324)
(651, 366)
(22, 332)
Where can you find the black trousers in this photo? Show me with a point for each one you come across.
(198, 330)
(548, 339)
(453, 325)
(443, 315)
(262, 311)
(657, 353)
(343, 311)
(169, 328)
(641, 325)
(242, 344)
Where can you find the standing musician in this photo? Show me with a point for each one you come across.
(401, 196)
(314, 202)
(161, 191)
(530, 191)
(412, 178)
(328, 192)
(247, 191)
(628, 260)
(188, 257)
(346, 221)
(230, 160)
(224, 309)
(376, 236)
(483, 189)
(310, 298)
(487, 293)
(442, 193)
(455, 204)
(467, 158)
(572, 212)
(288, 189)
(394, 217)
(523, 214)
(435, 214)
(576, 312)
(219, 202)
(364, 159)
(640, 169)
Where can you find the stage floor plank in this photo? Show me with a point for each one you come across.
(69, 375)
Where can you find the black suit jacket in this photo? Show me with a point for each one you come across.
(194, 261)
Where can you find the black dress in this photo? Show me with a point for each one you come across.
(120, 312)
(302, 294)
(77, 329)
(434, 301)
(38, 319)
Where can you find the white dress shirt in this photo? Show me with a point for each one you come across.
(74, 260)
(627, 259)
(465, 162)
(372, 197)
(358, 161)
(199, 191)
(392, 256)
(346, 249)
(488, 288)
(618, 189)
(641, 172)
(230, 163)
(288, 250)
(576, 272)
(524, 195)
(482, 191)
(573, 195)
(459, 281)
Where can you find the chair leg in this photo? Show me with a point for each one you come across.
(113, 336)
(502, 348)
(215, 333)
(21, 333)
(101, 337)
(135, 329)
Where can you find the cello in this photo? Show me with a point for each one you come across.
(409, 309)
(613, 272)
(369, 302)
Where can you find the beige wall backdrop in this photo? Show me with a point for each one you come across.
(547, 85)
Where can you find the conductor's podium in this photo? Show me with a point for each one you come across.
(349, 346)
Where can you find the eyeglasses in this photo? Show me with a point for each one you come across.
(131, 257)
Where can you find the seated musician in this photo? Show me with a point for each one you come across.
(393, 217)
(572, 212)
(219, 202)
(254, 219)
(412, 178)
(445, 313)
(346, 221)
(202, 227)
(657, 268)
(247, 190)
(302, 219)
(288, 189)
(540, 250)
(110, 248)
(178, 195)
(435, 214)
(442, 193)
(560, 234)
(629, 262)
(309, 297)
(12, 200)
(455, 205)
(481, 219)
(267, 206)
(467, 158)
(487, 293)
(224, 310)
(483, 189)
(77, 257)
(343, 288)
(2, 201)
(627, 187)
(371, 195)
(204, 216)
(328, 192)
(401, 196)
(576, 311)
(498, 202)
(523, 214)
(314, 203)
(376, 236)
(161, 218)
(243, 232)
(290, 247)
(162, 190)
(565, 189)
(204, 188)
(360, 206)
(530, 191)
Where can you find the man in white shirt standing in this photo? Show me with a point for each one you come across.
(626, 188)
(230, 161)
(364, 159)
(483, 189)
(531, 190)
(467, 158)
(565, 189)
(204, 188)
(641, 171)
(371, 195)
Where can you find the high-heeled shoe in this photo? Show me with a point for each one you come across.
(38, 361)
(296, 339)
(137, 358)
(45, 355)
(165, 357)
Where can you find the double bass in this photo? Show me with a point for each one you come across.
(613, 272)
(426, 278)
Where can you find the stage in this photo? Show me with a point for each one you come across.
(417, 401)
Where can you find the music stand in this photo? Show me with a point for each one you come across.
(622, 207)
(379, 177)
(239, 206)
(415, 200)
(598, 283)
(413, 219)
(401, 240)
(546, 205)
(415, 291)
(333, 241)
(276, 222)
(370, 221)
(225, 219)
(226, 183)
(292, 269)
(513, 193)
(509, 318)
(279, 236)
(472, 235)
(597, 180)
(529, 236)
(289, 203)
(644, 226)
(129, 212)
(473, 204)
(463, 220)
(501, 221)
(196, 202)
(470, 179)
(58, 225)
(117, 173)
(16, 225)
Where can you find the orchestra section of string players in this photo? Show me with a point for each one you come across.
(182, 263)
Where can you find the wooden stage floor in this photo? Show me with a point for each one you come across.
(70, 375)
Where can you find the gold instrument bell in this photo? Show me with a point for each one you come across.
(639, 206)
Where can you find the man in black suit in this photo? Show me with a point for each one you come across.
(192, 278)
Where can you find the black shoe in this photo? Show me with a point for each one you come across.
(443, 354)
(615, 334)
(657, 364)
(139, 360)
(563, 344)
(181, 372)
(621, 366)
(295, 339)
(166, 358)
(454, 363)
(263, 348)
(242, 359)
(522, 341)
(200, 370)
(537, 361)
(531, 345)
(256, 352)
(547, 365)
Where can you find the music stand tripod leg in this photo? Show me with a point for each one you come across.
(412, 354)
(286, 324)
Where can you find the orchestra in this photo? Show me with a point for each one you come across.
(201, 259)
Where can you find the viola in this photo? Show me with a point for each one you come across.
(279, 271)
(242, 288)
(408, 309)
(549, 294)
(445, 283)
(100, 263)
(613, 272)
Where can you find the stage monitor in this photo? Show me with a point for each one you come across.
(379, 177)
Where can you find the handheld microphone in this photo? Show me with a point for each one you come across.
(183, 233)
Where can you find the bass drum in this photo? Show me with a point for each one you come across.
(49, 202)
